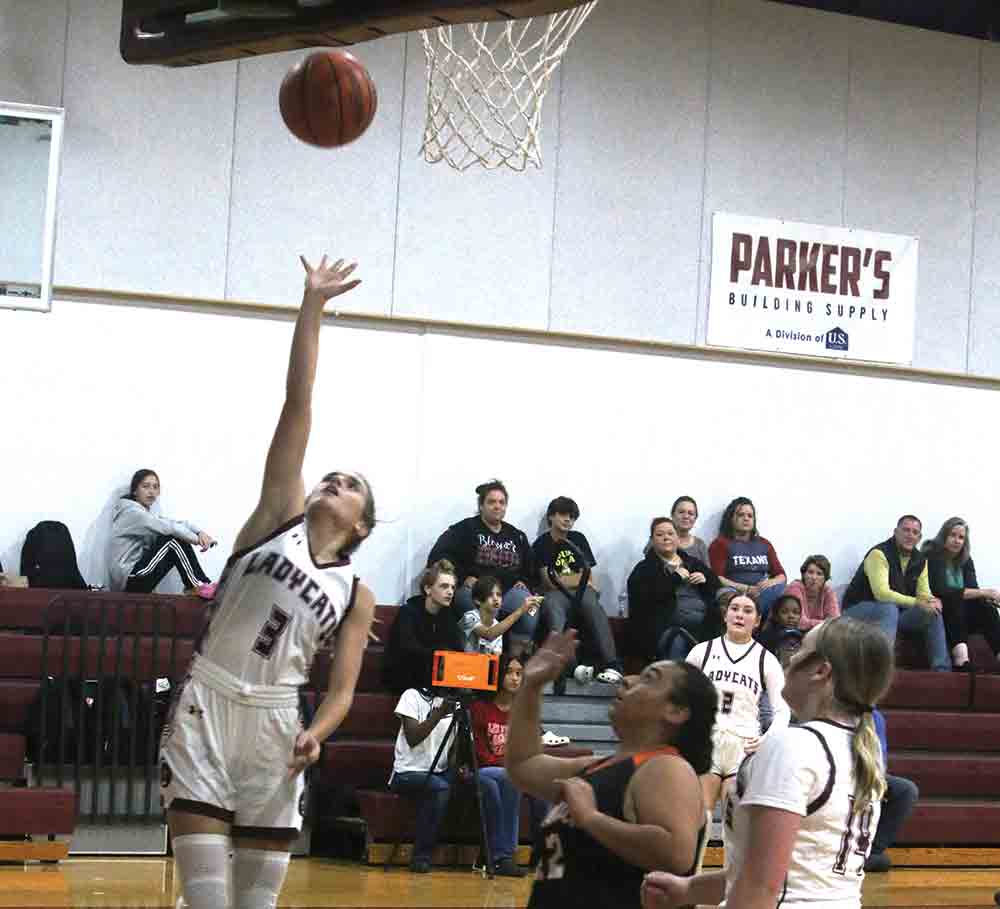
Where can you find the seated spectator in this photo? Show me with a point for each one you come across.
(743, 673)
(480, 629)
(900, 796)
(816, 596)
(485, 544)
(743, 559)
(501, 800)
(670, 590)
(891, 589)
(782, 633)
(685, 514)
(424, 726)
(146, 547)
(558, 608)
(425, 623)
(965, 606)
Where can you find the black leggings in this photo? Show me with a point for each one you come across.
(962, 617)
(165, 554)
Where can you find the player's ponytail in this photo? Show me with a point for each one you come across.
(862, 665)
(869, 775)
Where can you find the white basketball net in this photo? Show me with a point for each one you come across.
(485, 86)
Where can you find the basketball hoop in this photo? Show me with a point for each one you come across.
(486, 82)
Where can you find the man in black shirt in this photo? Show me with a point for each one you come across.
(550, 550)
(425, 623)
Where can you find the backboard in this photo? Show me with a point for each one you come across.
(193, 32)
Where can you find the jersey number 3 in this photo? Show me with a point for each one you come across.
(269, 633)
(857, 838)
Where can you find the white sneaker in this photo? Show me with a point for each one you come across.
(610, 676)
(583, 675)
(552, 740)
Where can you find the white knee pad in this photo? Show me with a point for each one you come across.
(203, 865)
(258, 875)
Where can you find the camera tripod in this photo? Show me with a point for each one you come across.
(461, 727)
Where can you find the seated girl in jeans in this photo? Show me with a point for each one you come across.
(501, 801)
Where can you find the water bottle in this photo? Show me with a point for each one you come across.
(623, 605)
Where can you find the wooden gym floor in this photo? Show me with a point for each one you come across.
(120, 882)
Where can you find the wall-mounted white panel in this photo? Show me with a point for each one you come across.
(777, 116)
(291, 198)
(144, 198)
(629, 190)
(434, 416)
(32, 51)
(203, 422)
(472, 246)
(911, 157)
(984, 340)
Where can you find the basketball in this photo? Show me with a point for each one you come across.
(328, 99)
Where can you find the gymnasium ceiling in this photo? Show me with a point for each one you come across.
(973, 18)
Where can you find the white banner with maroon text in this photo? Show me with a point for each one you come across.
(814, 290)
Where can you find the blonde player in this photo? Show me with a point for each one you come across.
(234, 748)
(742, 670)
(805, 806)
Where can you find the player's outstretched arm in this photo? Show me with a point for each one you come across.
(530, 769)
(345, 667)
(282, 495)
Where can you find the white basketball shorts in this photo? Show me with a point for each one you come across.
(224, 758)
(728, 751)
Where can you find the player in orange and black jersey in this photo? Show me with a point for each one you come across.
(616, 818)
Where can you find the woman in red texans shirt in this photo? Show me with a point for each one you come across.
(501, 801)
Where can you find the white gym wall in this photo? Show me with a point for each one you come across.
(185, 183)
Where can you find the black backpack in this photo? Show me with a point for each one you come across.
(48, 558)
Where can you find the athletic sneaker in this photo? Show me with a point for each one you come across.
(507, 868)
(206, 591)
(551, 740)
(610, 676)
(583, 675)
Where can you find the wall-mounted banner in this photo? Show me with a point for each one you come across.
(809, 289)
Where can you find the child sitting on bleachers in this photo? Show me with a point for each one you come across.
(479, 628)
(781, 634)
(501, 801)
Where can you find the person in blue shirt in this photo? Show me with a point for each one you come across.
(900, 796)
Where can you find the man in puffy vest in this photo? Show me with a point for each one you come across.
(891, 590)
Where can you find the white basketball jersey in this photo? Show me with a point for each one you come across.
(275, 607)
(808, 770)
(737, 670)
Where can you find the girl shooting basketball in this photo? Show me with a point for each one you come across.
(616, 818)
(806, 804)
(234, 748)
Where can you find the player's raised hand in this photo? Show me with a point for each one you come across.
(327, 280)
(549, 661)
(306, 751)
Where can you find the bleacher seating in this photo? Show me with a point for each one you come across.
(150, 646)
(944, 729)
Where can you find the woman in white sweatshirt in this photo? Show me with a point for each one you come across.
(146, 547)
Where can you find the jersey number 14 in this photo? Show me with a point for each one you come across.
(857, 838)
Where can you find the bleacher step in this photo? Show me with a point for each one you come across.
(575, 710)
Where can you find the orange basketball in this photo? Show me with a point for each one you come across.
(328, 99)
